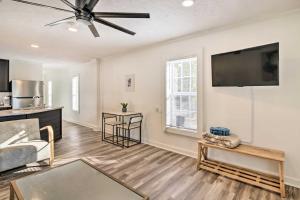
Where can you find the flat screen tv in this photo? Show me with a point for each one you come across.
(258, 66)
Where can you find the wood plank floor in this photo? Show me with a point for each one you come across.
(160, 174)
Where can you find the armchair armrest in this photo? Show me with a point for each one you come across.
(51, 142)
(50, 132)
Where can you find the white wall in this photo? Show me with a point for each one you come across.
(24, 70)
(263, 116)
(61, 76)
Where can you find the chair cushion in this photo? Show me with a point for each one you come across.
(20, 154)
(136, 119)
(113, 123)
(132, 126)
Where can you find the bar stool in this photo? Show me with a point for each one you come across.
(134, 123)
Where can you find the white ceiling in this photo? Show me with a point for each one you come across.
(22, 25)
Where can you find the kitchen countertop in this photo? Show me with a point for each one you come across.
(15, 112)
(5, 106)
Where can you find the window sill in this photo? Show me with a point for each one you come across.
(183, 132)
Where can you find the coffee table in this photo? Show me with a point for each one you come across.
(77, 180)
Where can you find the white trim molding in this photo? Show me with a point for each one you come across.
(200, 98)
(171, 148)
(85, 124)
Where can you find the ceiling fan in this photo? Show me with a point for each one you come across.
(83, 13)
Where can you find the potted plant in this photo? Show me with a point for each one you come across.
(124, 107)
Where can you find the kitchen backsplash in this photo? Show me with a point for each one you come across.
(3, 94)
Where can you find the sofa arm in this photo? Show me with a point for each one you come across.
(51, 142)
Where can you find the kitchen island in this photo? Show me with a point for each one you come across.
(47, 117)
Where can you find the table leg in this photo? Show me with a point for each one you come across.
(118, 129)
(199, 156)
(140, 134)
(281, 178)
(128, 139)
(205, 152)
(102, 126)
(117, 134)
(12, 193)
(113, 134)
(123, 132)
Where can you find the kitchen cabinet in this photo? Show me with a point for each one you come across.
(4, 75)
(12, 118)
(5, 108)
(50, 118)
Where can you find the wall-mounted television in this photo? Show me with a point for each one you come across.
(257, 66)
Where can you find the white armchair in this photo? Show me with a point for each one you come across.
(21, 144)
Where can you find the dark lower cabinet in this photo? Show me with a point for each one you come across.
(49, 118)
(5, 108)
(12, 118)
(4, 75)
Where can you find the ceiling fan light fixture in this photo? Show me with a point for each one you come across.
(83, 14)
(71, 29)
(34, 46)
(188, 3)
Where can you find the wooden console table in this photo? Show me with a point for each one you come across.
(259, 179)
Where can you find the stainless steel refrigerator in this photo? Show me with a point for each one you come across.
(26, 94)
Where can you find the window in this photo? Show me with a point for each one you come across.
(50, 90)
(181, 94)
(75, 93)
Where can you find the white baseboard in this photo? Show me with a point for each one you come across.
(171, 148)
(288, 180)
(292, 181)
(88, 125)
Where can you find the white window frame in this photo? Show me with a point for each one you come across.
(50, 93)
(78, 94)
(200, 87)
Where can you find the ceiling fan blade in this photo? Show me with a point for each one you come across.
(104, 22)
(94, 30)
(42, 5)
(61, 21)
(69, 4)
(80, 3)
(121, 15)
(91, 4)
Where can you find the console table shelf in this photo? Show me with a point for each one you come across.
(259, 179)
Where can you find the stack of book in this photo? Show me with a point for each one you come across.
(220, 131)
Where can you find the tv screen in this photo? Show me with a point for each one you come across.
(258, 66)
